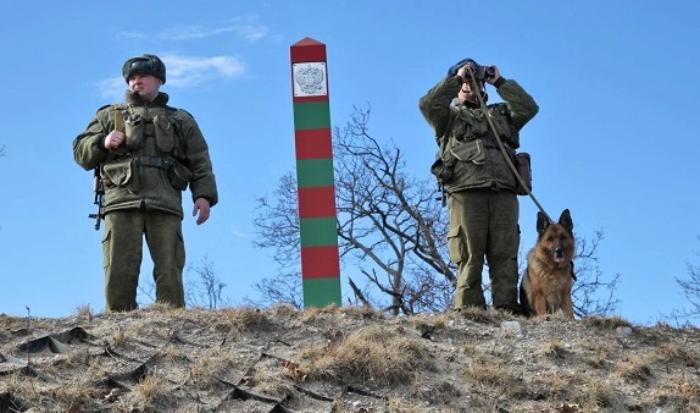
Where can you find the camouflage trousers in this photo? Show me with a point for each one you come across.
(484, 224)
(122, 250)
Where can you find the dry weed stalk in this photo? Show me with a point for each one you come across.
(150, 390)
(118, 336)
(84, 312)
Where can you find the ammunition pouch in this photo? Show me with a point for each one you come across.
(118, 173)
(444, 171)
(134, 128)
(165, 133)
(470, 151)
(179, 176)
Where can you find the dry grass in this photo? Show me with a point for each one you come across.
(429, 325)
(555, 386)
(239, 320)
(677, 394)
(119, 337)
(310, 314)
(173, 354)
(150, 390)
(376, 355)
(492, 376)
(268, 379)
(634, 369)
(434, 393)
(597, 394)
(606, 323)
(671, 353)
(464, 366)
(21, 386)
(555, 350)
(210, 366)
(479, 315)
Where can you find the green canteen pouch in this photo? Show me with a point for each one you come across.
(471, 151)
(179, 176)
(165, 133)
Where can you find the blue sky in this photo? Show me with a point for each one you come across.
(615, 140)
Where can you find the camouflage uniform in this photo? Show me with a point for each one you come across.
(164, 152)
(483, 207)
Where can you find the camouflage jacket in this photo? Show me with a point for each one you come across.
(466, 140)
(164, 152)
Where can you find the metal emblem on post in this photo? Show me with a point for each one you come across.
(310, 79)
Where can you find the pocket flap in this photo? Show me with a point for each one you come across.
(117, 172)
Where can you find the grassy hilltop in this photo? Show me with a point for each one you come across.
(343, 360)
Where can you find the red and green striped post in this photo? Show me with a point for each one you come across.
(320, 267)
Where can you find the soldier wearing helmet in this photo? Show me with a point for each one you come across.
(480, 187)
(145, 166)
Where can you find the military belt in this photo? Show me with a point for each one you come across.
(153, 161)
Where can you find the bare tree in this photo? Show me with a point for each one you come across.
(394, 225)
(206, 289)
(278, 229)
(590, 283)
(691, 290)
(393, 228)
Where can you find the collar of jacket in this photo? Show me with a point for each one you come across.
(160, 100)
(471, 105)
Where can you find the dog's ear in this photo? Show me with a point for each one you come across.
(542, 223)
(566, 222)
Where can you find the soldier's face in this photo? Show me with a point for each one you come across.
(466, 92)
(146, 86)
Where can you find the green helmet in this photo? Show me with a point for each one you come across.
(147, 64)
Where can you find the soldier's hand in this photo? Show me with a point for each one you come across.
(114, 139)
(462, 72)
(201, 205)
(497, 75)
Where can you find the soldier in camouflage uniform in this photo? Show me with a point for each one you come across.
(483, 207)
(144, 169)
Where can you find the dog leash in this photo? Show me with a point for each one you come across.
(502, 147)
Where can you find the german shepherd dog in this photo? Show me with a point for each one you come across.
(547, 281)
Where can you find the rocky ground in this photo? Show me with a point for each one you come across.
(343, 360)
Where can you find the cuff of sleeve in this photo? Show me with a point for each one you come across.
(101, 144)
(212, 200)
(498, 83)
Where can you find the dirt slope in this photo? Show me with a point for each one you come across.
(343, 360)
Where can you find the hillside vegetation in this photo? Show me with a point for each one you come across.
(343, 360)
